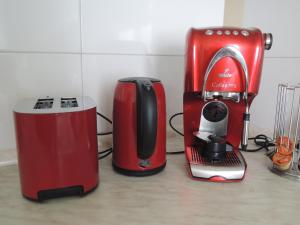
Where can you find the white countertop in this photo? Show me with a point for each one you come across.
(170, 197)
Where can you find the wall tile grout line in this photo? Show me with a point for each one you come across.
(81, 47)
(85, 53)
(38, 52)
(282, 57)
(116, 54)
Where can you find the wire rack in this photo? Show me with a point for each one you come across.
(286, 128)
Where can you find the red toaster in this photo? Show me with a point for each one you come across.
(57, 146)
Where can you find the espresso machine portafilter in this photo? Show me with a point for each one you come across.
(222, 76)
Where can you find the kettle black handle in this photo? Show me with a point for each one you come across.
(146, 118)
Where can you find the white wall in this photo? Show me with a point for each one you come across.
(40, 46)
(282, 62)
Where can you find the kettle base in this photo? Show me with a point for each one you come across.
(138, 173)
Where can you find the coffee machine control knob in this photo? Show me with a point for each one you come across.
(245, 33)
(209, 32)
(268, 40)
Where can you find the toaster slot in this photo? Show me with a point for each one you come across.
(44, 103)
(68, 102)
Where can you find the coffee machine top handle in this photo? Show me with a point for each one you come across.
(227, 51)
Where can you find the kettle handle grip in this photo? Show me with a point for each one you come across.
(146, 118)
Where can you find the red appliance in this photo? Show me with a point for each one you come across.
(57, 146)
(222, 76)
(139, 125)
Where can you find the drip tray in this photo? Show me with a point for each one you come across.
(232, 168)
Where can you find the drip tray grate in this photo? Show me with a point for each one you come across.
(231, 160)
(232, 168)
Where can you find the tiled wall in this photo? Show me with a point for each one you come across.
(40, 48)
(282, 62)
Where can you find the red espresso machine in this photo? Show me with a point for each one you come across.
(222, 77)
(57, 146)
(139, 125)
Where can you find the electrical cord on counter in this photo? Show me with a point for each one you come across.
(175, 153)
(261, 140)
(177, 131)
(264, 142)
(171, 125)
(108, 120)
(105, 151)
(103, 154)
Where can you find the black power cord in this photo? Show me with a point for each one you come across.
(107, 152)
(108, 120)
(261, 140)
(175, 153)
(264, 142)
(177, 131)
(171, 125)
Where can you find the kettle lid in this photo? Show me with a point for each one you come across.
(135, 79)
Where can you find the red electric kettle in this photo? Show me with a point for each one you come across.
(139, 124)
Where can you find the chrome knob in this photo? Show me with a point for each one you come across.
(245, 33)
(209, 32)
(219, 32)
(268, 40)
(235, 33)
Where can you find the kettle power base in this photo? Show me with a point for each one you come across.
(133, 173)
(231, 169)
